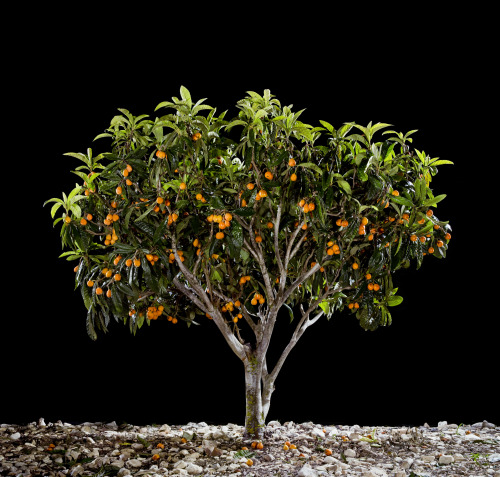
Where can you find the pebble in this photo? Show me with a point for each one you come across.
(447, 450)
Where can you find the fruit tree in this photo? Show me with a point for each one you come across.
(194, 217)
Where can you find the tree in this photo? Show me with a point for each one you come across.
(186, 220)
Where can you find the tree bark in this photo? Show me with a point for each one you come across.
(255, 420)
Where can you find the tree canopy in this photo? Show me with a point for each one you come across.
(192, 216)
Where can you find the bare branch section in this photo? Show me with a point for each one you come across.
(207, 304)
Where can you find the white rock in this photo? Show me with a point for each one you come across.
(350, 453)
(15, 436)
(123, 473)
(446, 459)
(307, 471)
(77, 470)
(427, 458)
(181, 464)
(494, 458)
(273, 424)
(375, 472)
(458, 457)
(442, 424)
(41, 422)
(194, 469)
(136, 463)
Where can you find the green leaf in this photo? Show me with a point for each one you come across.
(401, 201)
(345, 186)
(310, 165)
(244, 212)
(434, 201)
(290, 311)
(394, 300)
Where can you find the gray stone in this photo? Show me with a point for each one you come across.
(194, 469)
(123, 473)
(446, 459)
(15, 436)
(77, 470)
(307, 471)
(350, 453)
(135, 463)
(494, 458)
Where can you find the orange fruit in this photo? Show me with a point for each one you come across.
(293, 177)
(98, 291)
(128, 182)
(125, 172)
(368, 276)
(328, 452)
(395, 193)
(439, 243)
(67, 219)
(344, 223)
(262, 193)
(117, 277)
(370, 286)
(250, 186)
(90, 283)
(249, 462)
(258, 239)
(376, 286)
(118, 190)
(83, 221)
(413, 238)
(159, 200)
(350, 306)
(429, 213)
(253, 301)
(108, 293)
(362, 230)
(182, 186)
(364, 221)
(219, 235)
(268, 175)
(447, 236)
(292, 162)
(260, 445)
(160, 154)
(422, 239)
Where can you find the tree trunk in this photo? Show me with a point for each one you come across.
(255, 419)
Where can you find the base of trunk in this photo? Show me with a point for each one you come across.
(255, 419)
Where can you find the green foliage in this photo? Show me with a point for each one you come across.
(141, 211)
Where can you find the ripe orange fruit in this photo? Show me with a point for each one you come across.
(129, 168)
(160, 154)
(376, 286)
(128, 182)
(368, 276)
(268, 175)
(285, 447)
(250, 186)
(355, 266)
(90, 283)
(253, 301)
(330, 251)
(260, 445)
(292, 162)
(262, 193)
(350, 306)
(328, 452)
(159, 200)
(108, 293)
(118, 190)
(364, 221)
(137, 262)
(116, 261)
(344, 223)
(422, 239)
(67, 219)
(447, 236)
(370, 286)
(429, 213)
(219, 235)
(439, 243)
(98, 291)
(258, 239)
(413, 238)
(362, 230)
(293, 177)
(249, 462)
(125, 172)
(117, 277)
(83, 221)
(395, 193)
(182, 186)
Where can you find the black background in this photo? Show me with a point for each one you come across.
(438, 360)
